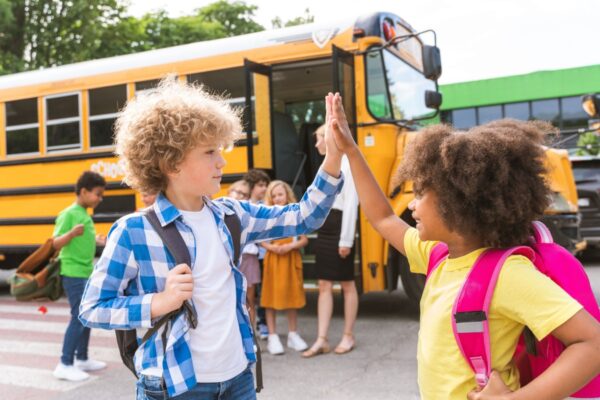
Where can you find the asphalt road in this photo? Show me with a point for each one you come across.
(383, 365)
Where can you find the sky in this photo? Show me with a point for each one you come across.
(478, 39)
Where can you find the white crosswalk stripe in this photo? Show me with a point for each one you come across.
(54, 349)
(31, 346)
(33, 309)
(37, 378)
(43, 326)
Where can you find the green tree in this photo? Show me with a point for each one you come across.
(162, 31)
(236, 17)
(307, 18)
(588, 144)
(12, 43)
(45, 33)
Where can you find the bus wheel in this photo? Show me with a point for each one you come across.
(398, 266)
(413, 283)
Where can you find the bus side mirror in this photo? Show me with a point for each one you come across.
(433, 99)
(591, 104)
(432, 62)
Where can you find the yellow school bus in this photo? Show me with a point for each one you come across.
(57, 122)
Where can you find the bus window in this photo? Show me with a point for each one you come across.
(22, 127)
(105, 104)
(489, 113)
(546, 110)
(377, 96)
(464, 119)
(518, 111)
(573, 116)
(142, 86)
(396, 88)
(228, 83)
(63, 122)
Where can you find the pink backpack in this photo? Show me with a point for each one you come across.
(472, 304)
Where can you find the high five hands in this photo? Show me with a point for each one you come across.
(338, 137)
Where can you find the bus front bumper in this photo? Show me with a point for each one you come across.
(565, 229)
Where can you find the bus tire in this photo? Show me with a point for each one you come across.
(413, 283)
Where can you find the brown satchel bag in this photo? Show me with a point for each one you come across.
(38, 277)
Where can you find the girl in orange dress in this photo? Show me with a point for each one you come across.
(282, 283)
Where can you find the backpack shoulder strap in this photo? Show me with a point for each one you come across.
(541, 233)
(235, 228)
(438, 253)
(471, 309)
(176, 245)
(171, 238)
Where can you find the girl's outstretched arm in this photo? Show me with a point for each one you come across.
(577, 364)
(372, 200)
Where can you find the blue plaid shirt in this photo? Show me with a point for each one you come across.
(134, 266)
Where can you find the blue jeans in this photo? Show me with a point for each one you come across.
(240, 387)
(77, 336)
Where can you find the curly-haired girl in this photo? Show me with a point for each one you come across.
(474, 190)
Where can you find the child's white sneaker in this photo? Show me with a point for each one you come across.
(70, 373)
(274, 345)
(89, 365)
(294, 341)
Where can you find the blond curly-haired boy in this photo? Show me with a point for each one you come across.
(171, 141)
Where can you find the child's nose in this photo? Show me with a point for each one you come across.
(411, 205)
(221, 162)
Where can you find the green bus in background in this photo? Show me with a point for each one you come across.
(554, 96)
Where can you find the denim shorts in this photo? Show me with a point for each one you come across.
(240, 387)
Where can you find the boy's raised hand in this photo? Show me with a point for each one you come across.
(339, 125)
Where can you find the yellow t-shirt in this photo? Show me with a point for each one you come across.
(523, 296)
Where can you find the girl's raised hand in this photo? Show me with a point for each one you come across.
(330, 144)
(339, 125)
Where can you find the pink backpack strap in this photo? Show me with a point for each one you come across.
(470, 312)
(438, 253)
(541, 233)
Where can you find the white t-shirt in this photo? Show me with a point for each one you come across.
(347, 202)
(216, 343)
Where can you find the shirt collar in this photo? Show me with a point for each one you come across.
(217, 208)
(167, 212)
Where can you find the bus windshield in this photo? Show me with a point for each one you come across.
(395, 89)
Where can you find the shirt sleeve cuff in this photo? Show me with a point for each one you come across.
(146, 310)
(345, 243)
(329, 184)
(562, 316)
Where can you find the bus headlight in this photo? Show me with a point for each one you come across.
(559, 204)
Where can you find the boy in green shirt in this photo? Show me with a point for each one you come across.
(75, 237)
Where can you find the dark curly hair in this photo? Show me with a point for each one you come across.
(489, 180)
(88, 181)
(254, 176)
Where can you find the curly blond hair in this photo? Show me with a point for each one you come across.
(291, 197)
(158, 128)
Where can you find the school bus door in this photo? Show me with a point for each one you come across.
(257, 117)
(344, 83)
